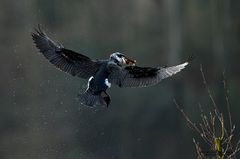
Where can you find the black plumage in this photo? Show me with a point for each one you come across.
(66, 60)
(118, 70)
(141, 72)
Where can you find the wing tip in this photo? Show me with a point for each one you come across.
(185, 64)
(191, 58)
(38, 32)
(188, 61)
(181, 66)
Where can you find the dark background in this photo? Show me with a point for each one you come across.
(39, 115)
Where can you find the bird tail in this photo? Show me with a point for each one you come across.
(89, 99)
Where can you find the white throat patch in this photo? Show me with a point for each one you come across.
(120, 60)
(107, 83)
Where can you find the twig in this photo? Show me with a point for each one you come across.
(208, 89)
(212, 128)
(227, 99)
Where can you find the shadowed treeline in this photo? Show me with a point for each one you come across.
(40, 116)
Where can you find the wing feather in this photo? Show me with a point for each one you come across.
(66, 60)
(134, 76)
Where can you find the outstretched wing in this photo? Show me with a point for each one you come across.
(66, 60)
(134, 76)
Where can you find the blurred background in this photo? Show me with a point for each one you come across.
(40, 116)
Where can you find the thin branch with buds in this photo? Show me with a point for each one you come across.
(212, 128)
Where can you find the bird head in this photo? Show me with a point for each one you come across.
(120, 58)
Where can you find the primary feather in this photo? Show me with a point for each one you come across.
(66, 60)
(134, 76)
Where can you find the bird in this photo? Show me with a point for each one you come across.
(118, 70)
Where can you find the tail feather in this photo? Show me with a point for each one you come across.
(87, 98)
(106, 98)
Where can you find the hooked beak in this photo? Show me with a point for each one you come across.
(129, 61)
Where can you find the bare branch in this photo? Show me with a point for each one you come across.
(227, 99)
(212, 128)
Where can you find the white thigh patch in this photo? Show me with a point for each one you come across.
(107, 83)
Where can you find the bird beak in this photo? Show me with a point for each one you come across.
(130, 61)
